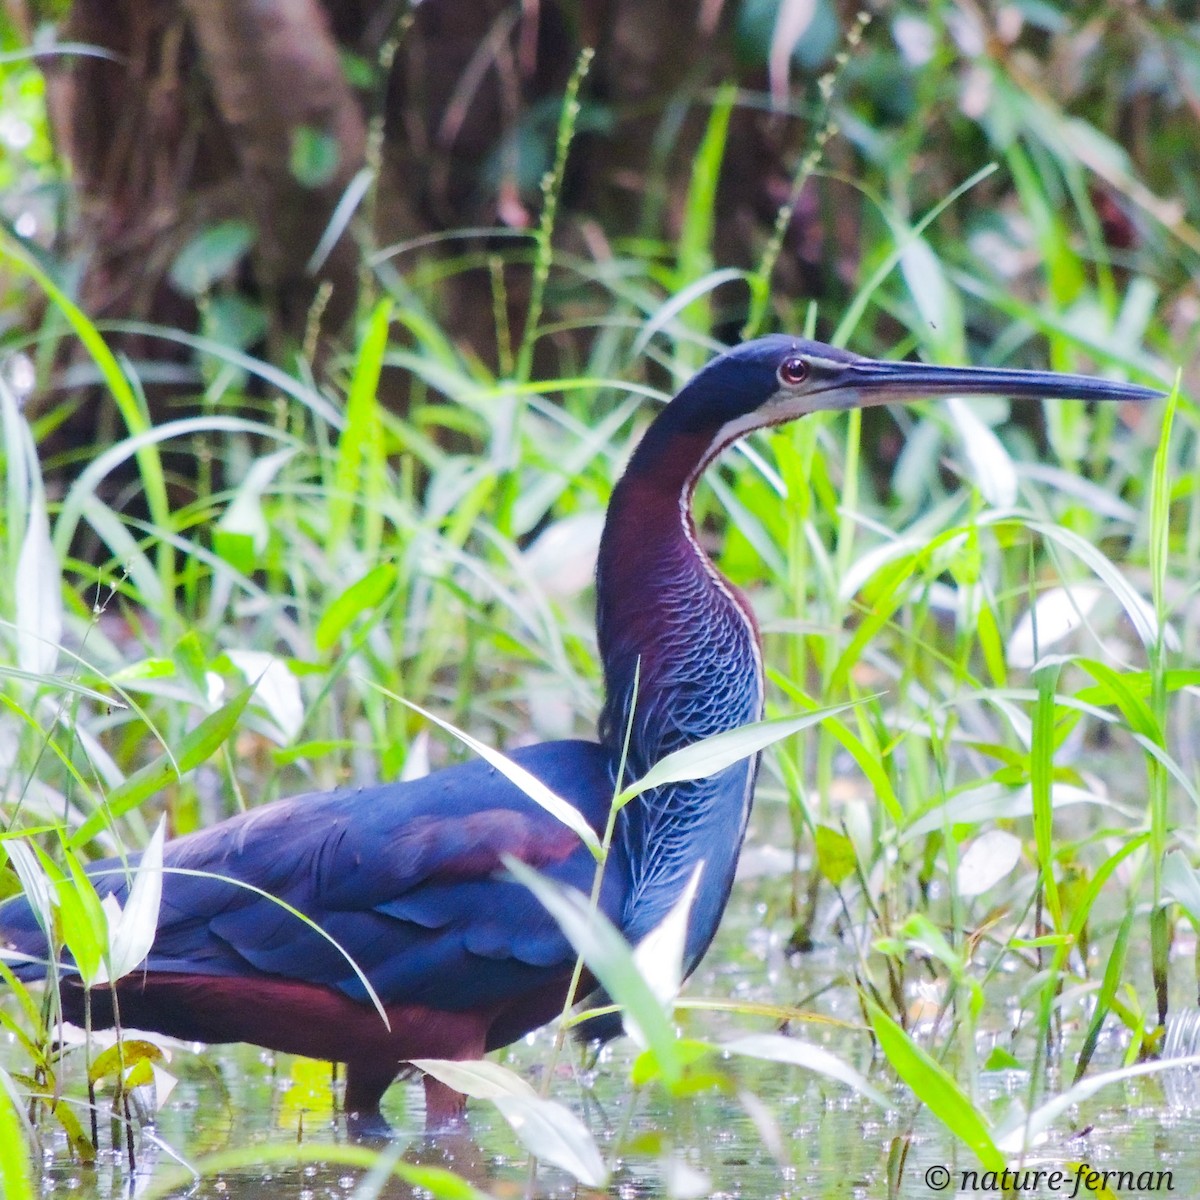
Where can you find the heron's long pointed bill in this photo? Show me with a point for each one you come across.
(871, 382)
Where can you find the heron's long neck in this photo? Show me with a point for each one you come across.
(662, 603)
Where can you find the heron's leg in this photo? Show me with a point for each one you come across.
(365, 1086)
(445, 1109)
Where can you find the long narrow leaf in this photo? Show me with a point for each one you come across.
(611, 960)
(547, 1129)
(713, 754)
(196, 748)
(133, 934)
(936, 1089)
(775, 1048)
(533, 787)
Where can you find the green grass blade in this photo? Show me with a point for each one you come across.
(358, 475)
(533, 787)
(1041, 782)
(197, 747)
(611, 960)
(936, 1088)
(714, 754)
(16, 1175)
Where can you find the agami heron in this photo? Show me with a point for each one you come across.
(408, 878)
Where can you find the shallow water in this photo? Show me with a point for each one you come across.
(778, 1132)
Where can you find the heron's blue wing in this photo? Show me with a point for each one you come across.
(406, 880)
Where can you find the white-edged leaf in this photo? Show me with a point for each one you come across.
(876, 558)
(533, 787)
(711, 755)
(38, 592)
(36, 887)
(1181, 883)
(683, 1181)
(1097, 497)
(659, 955)
(986, 861)
(547, 1129)
(773, 1047)
(164, 1085)
(244, 514)
(1057, 612)
(132, 928)
(553, 1133)
(1022, 1134)
(416, 761)
(1137, 607)
(991, 467)
(937, 302)
(562, 559)
(993, 801)
(610, 958)
(479, 1078)
(680, 301)
(278, 689)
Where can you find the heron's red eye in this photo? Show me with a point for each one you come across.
(793, 371)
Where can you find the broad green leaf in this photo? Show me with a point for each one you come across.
(556, 1135)
(610, 959)
(197, 747)
(835, 854)
(1181, 884)
(242, 533)
(363, 595)
(933, 1085)
(313, 156)
(16, 1174)
(1119, 690)
(533, 787)
(920, 933)
(211, 255)
(773, 1047)
(714, 754)
(121, 1055)
(140, 1074)
(999, 1059)
(146, 668)
(82, 918)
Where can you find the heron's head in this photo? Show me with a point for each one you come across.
(776, 379)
